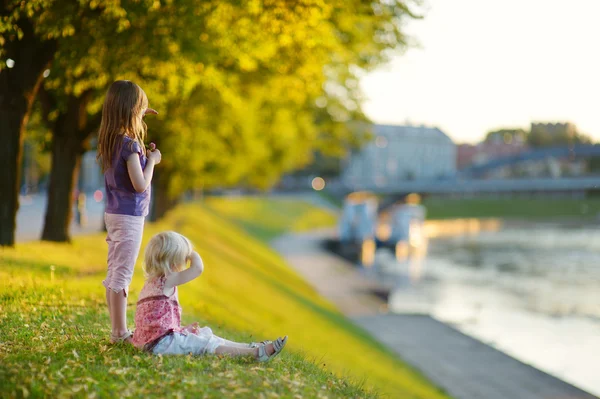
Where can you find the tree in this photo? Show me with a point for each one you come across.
(29, 35)
(83, 68)
(22, 63)
(256, 85)
(507, 136)
(99, 57)
(87, 63)
(550, 134)
(321, 165)
(307, 96)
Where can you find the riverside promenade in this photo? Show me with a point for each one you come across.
(463, 366)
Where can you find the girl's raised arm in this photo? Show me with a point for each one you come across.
(178, 278)
(141, 179)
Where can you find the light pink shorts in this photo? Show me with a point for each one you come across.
(124, 240)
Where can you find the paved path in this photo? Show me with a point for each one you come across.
(332, 277)
(461, 365)
(32, 210)
(464, 367)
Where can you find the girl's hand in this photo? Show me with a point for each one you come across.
(149, 111)
(178, 278)
(193, 328)
(155, 156)
(194, 256)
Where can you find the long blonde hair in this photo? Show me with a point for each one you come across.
(121, 115)
(166, 251)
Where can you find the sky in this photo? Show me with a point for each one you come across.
(480, 65)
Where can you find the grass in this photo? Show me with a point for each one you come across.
(530, 209)
(334, 200)
(266, 218)
(55, 348)
(54, 326)
(510, 208)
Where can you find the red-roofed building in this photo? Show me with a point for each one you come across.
(468, 154)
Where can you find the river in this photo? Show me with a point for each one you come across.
(530, 290)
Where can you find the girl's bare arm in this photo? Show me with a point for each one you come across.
(141, 179)
(178, 278)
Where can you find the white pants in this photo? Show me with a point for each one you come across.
(201, 343)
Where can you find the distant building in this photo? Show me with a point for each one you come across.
(465, 155)
(468, 154)
(399, 153)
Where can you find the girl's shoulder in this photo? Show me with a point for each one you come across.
(127, 142)
(158, 281)
(153, 286)
(129, 146)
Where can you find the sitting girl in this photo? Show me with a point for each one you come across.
(158, 314)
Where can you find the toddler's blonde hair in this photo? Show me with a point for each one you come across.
(166, 251)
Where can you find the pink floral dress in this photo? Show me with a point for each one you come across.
(157, 315)
(158, 324)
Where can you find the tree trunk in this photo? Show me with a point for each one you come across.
(70, 133)
(18, 88)
(66, 158)
(161, 202)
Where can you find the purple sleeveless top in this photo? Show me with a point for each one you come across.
(121, 197)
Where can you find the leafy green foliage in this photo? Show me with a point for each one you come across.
(541, 135)
(506, 135)
(290, 87)
(545, 135)
(246, 91)
(57, 20)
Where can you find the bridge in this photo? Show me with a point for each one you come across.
(574, 152)
(463, 186)
(469, 179)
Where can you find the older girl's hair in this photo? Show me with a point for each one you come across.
(121, 115)
(166, 251)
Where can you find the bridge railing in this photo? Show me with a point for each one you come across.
(571, 152)
(480, 186)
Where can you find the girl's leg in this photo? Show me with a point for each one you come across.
(233, 344)
(118, 312)
(109, 273)
(108, 304)
(124, 241)
(237, 351)
(183, 344)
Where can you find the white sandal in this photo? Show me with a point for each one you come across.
(125, 337)
(257, 344)
(278, 345)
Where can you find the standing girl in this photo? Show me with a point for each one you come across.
(158, 314)
(128, 171)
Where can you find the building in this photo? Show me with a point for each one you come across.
(468, 154)
(400, 153)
